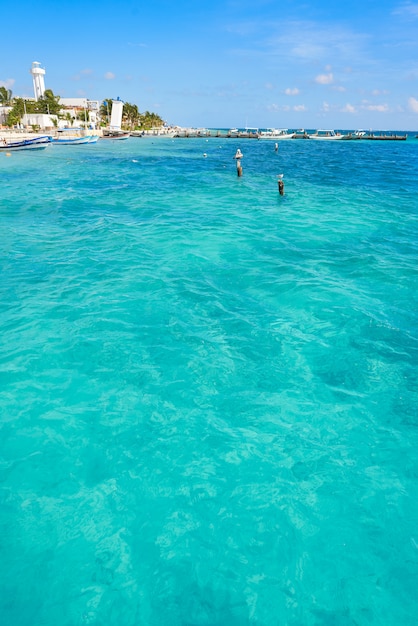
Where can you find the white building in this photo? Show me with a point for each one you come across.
(77, 106)
(38, 80)
(39, 121)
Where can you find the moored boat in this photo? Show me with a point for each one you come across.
(73, 137)
(34, 143)
(326, 135)
(300, 134)
(275, 133)
(115, 134)
(70, 141)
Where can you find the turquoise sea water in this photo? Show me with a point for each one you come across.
(208, 392)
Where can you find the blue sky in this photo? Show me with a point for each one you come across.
(258, 63)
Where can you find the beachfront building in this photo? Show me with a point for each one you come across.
(38, 80)
(83, 109)
(39, 121)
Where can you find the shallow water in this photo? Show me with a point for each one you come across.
(208, 392)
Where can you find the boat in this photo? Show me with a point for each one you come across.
(35, 143)
(275, 133)
(326, 135)
(300, 134)
(73, 137)
(115, 134)
(70, 141)
(357, 134)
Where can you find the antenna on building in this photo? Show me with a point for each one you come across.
(38, 80)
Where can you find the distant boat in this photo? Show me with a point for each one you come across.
(35, 143)
(326, 135)
(300, 134)
(115, 134)
(357, 134)
(275, 133)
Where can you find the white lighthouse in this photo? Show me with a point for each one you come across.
(38, 80)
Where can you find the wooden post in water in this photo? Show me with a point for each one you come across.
(238, 156)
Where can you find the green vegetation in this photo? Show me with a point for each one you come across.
(5, 96)
(49, 104)
(132, 119)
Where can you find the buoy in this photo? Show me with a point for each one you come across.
(204, 154)
(8, 154)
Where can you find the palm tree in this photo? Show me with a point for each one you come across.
(49, 103)
(130, 115)
(150, 120)
(5, 96)
(106, 110)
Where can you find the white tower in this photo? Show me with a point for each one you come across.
(38, 80)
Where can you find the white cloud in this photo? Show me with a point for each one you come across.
(324, 79)
(291, 92)
(348, 108)
(381, 108)
(408, 9)
(109, 76)
(380, 92)
(269, 86)
(8, 83)
(339, 88)
(313, 42)
(274, 108)
(83, 74)
(413, 105)
(299, 107)
(325, 107)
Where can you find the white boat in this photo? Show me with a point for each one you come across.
(357, 134)
(326, 135)
(70, 141)
(115, 134)
(275, 133)
(73, 137)
(34, 143)
(300, 133)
